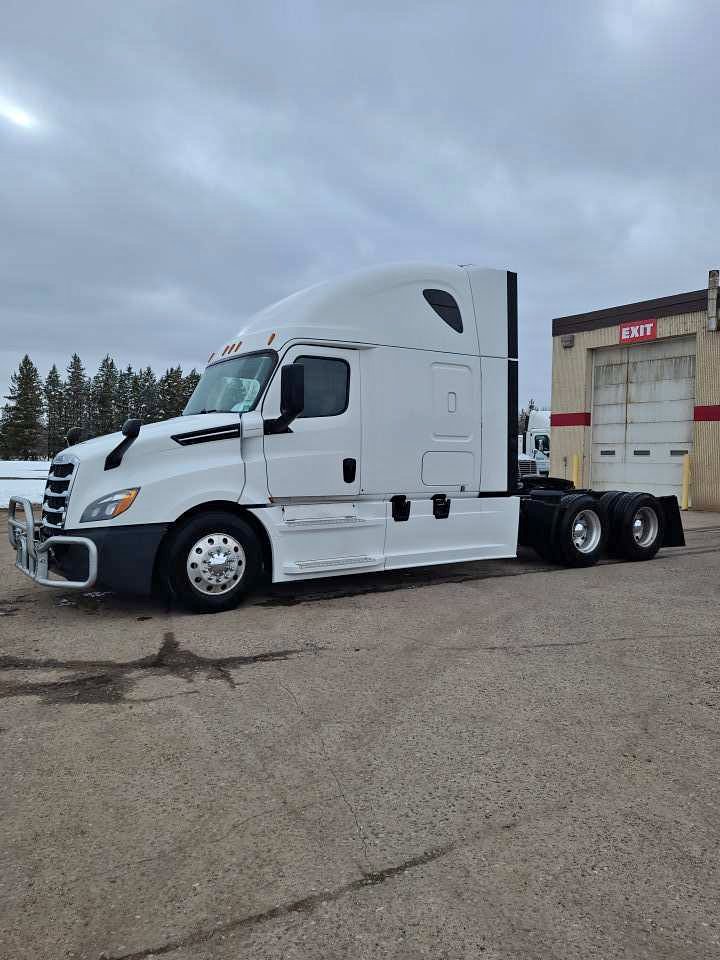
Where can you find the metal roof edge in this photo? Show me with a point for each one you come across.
(691, 302)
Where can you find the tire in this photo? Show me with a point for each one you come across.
(580, 532)
(608, 501)
(213, 561)
(638, 527)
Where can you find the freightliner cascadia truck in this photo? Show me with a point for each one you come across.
(365, 424)
(534, 443)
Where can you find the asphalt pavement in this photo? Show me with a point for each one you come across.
(496, 760)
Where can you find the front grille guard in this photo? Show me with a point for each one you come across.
(32, 556)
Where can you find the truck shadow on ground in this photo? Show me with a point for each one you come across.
(289, 594)
(328, 588)
(109, 682)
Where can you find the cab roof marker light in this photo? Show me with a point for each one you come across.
(237, 346)
(209, 359)
(270, 339)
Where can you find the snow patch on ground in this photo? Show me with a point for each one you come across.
(23, 478)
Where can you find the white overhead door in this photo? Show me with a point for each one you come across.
(642, 416)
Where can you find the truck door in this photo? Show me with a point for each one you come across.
(320, 457)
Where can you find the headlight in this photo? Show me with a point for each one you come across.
(110, 506)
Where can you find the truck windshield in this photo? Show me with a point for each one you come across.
(232, 386)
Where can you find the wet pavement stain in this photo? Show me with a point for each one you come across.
(94, 689)
(108, 681)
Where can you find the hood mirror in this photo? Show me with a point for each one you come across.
(131, 428)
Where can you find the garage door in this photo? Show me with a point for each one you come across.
(642, 416)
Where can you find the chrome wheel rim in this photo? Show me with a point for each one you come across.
(215, 564)
(586, 531)
(645, 527)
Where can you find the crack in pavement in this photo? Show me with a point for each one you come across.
(559, 644)
(323, 749)
(303, 905)
(110, 680)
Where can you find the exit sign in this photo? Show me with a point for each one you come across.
(637, 332)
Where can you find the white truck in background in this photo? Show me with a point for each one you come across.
(365, 424)
(535, 442)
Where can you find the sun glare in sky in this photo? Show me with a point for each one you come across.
(16, 115)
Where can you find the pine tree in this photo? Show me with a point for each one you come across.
(145, 399)
(77, 395)
(103, 399)
(22, 431)
(189, 383)
(54, 391)
(171, 393)
(123, 396)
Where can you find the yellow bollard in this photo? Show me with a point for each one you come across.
(576, 469)
(685, 495)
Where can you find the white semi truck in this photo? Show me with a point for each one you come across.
(534, 443)
(365, 424)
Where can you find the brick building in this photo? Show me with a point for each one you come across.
(635, 388)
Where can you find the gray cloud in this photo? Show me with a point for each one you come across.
(191, 163)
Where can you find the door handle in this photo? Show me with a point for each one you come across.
(349, 469)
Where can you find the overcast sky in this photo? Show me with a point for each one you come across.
(167, 168)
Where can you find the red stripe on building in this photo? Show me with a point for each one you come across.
(708, 413)
(581, 419)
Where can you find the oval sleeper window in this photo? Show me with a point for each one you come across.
(445, 306)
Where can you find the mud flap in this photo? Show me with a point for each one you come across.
(674, 534)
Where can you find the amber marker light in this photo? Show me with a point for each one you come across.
(110, 506)
(127, 501)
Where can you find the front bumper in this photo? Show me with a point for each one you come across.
(121, 559)
(126, 556)
(33, 556)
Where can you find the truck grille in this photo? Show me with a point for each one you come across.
(57, 494)
(527, 468)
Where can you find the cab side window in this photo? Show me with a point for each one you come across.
(327, 386)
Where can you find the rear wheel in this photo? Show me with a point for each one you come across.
(608, 501)
(580, 531)
(213, 560)
(638, 530)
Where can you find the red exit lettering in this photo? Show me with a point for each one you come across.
(636, 332)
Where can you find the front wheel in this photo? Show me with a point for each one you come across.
(213, 560)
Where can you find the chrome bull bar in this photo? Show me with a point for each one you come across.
(32, 556)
